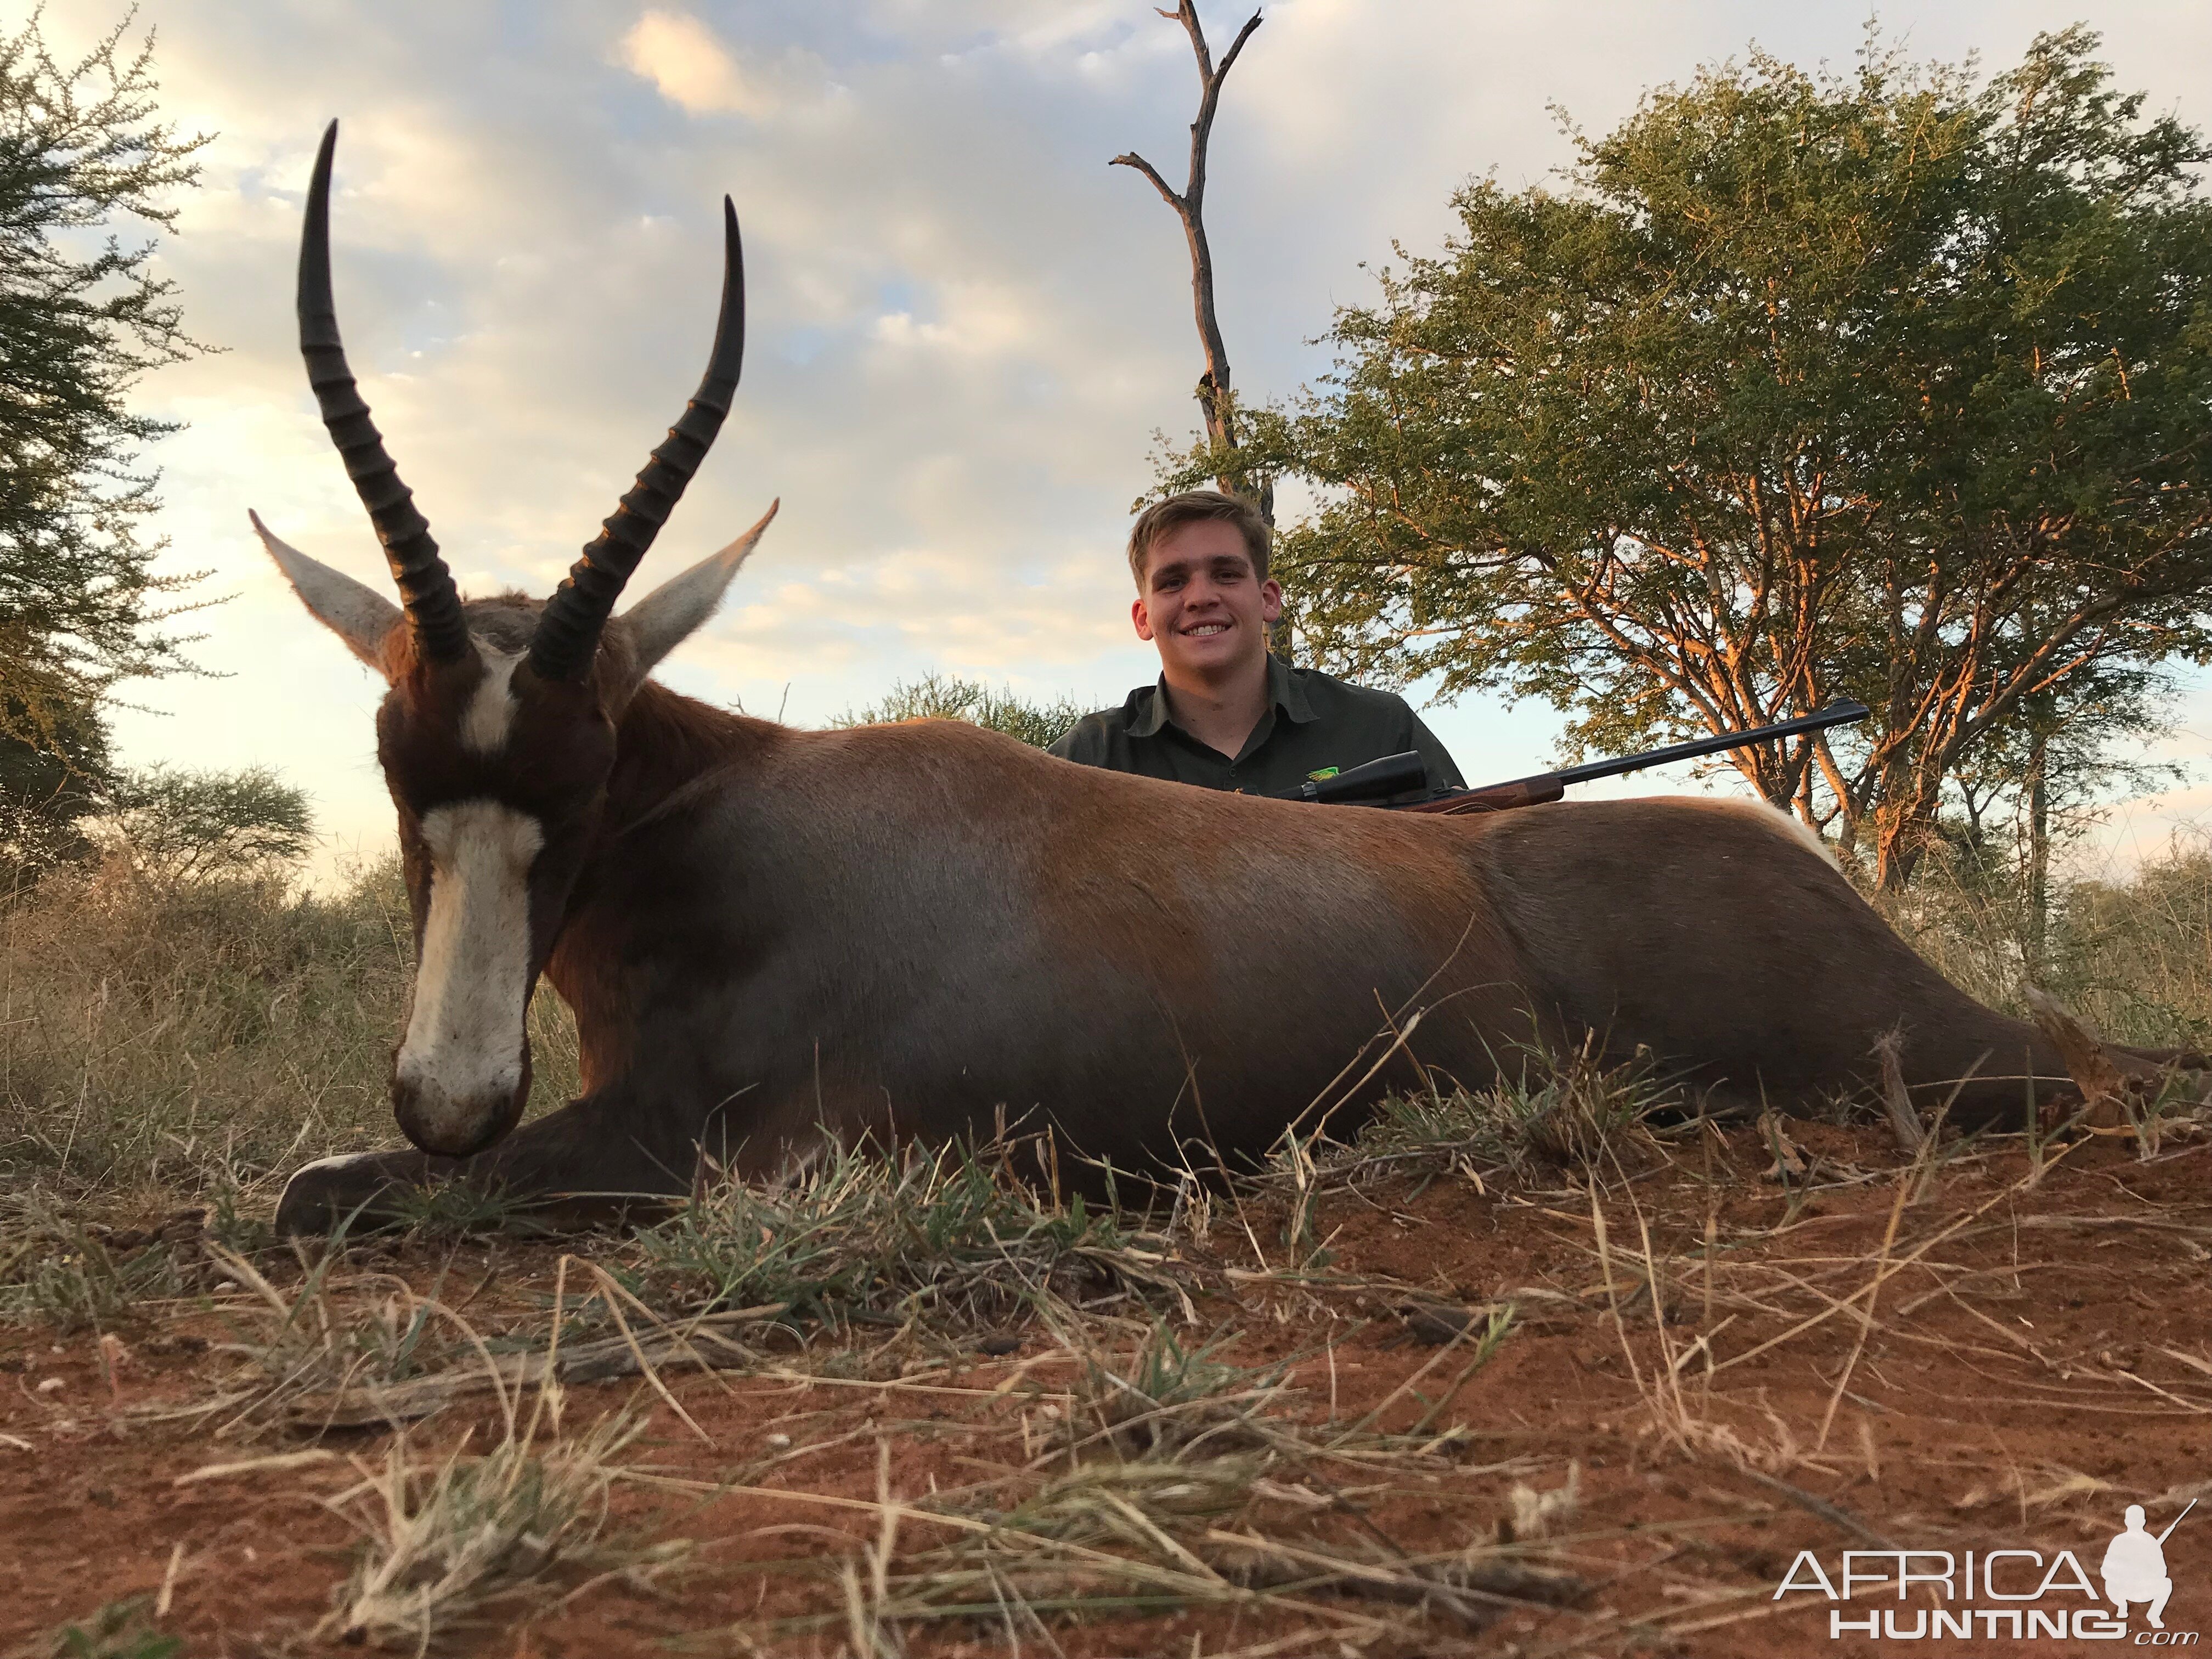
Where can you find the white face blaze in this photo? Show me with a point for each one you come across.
(490, 712)
(462, 1058)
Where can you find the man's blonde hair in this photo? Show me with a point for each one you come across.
(1164, 518)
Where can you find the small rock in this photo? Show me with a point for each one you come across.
(999, 1345)
(777, 1442)
(1436, 1325)
(52, 1385)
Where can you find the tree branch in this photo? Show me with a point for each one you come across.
(1133, 160)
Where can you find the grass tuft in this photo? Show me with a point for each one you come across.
(1163, 1485)
(446, 1543)
(879, 1238)
(119, 1629)
(328, 1332)
(1570, 1115)
(59, 1270)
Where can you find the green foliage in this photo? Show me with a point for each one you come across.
(2083, 749)
(62, 801)
(80, 152)
(47, 789)
(181, 826)
(67, 1277)
(948, 697)
(119, 1629)
(1878, 385)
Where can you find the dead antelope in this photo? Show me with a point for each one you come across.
(772, 936)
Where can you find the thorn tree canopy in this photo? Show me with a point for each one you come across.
(1881, 385)
(81, 318)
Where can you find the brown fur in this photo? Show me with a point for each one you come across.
(770, 935)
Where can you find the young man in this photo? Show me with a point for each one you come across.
(1225, 715)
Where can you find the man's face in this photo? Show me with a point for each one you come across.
(1201, 604)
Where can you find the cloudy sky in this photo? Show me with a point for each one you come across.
(966, 328)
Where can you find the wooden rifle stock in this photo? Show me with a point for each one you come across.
(1496, 796)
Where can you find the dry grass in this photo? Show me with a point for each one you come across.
(178, 1041)
(1139, 1461)
(458, 1539)
(1163, 1477)
(1558, 1117)
(2132, 955)
(332, 1330)
(58, 1270)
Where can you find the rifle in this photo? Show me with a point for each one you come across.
(1376, 782)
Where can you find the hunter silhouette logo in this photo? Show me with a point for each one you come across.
(2135, 1566)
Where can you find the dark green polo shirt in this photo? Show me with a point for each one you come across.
(1312, 722)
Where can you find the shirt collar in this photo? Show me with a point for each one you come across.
(1148, 704)
(1288, 692)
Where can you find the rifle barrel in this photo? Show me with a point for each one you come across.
(2176, 1521)
(1836, 714)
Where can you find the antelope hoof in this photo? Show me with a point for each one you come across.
(354, 1192)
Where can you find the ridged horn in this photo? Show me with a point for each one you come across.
(426, 586)
(568, 629)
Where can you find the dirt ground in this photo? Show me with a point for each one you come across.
(1471, 1411)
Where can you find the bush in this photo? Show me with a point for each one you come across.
(949, 697)
(180, 828)
(2132, 956)
(2139, 952)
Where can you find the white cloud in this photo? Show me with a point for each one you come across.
(680, 55)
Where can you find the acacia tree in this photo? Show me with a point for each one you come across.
(80, 319)
(174, 829)
(46, 792)
(1881, 385)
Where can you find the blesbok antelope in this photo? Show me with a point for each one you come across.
(770, 937)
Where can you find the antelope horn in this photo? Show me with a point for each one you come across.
(426, 586)
(568, 629)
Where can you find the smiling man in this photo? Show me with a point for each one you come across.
(1225, 715)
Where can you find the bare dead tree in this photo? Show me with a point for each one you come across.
(1214, 395)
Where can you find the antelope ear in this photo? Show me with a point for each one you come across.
(360, 615)
(665, 617)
